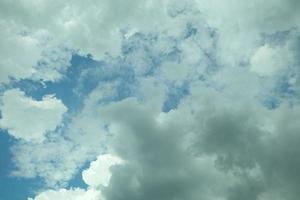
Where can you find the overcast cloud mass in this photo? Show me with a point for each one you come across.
(149, 100)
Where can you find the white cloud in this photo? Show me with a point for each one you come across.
(86, 27)
(99, 171)
(33, 55)
(92, 27)
(58, 158)
(268, 61)
(28, 119)
(18, 54)
(241, 23)
(89, 26)
(55, 161)
(72, 194)
(174, 71)
(218, 128)
(98, 174)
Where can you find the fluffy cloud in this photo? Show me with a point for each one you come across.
(18, 54)
(210, 146)
(98, 174)
(229, 78)
(99, 171)
(26, 55)
(213, 146)
(28, 119)
(86, 28)
(72, 194)
(90, 27)
(67, 149)
(267, 61)
(159, 165)
(240, 24)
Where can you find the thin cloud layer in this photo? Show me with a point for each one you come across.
(152, 100)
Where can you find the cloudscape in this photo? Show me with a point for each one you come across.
(149, 100)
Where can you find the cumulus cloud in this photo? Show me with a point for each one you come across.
(90, 27)
(18, 54)
(99, 171)
(29, 119)
(26, 55)
(240, 24)
(72, 194)
(267, 60)
(91, 177)
(86, 28)
(184, 99)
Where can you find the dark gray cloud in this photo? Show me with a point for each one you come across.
(159, 166)
(237, 151)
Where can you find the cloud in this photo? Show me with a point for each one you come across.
(267, 61)
(79, 24)
(97, 175)
(186, 153)
(64, 152)
(178, 104)
(43, 46)
(211, 146)
(72, 194)
(99, 171)
(240, 24)
(29, 119)
(90, 28)
(55, 161)
(18, 53)
(26, 55)
(159, 165)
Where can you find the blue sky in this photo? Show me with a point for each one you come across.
(143, 100)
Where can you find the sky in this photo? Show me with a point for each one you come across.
(149, 100)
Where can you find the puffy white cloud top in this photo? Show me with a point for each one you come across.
(99, 171)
